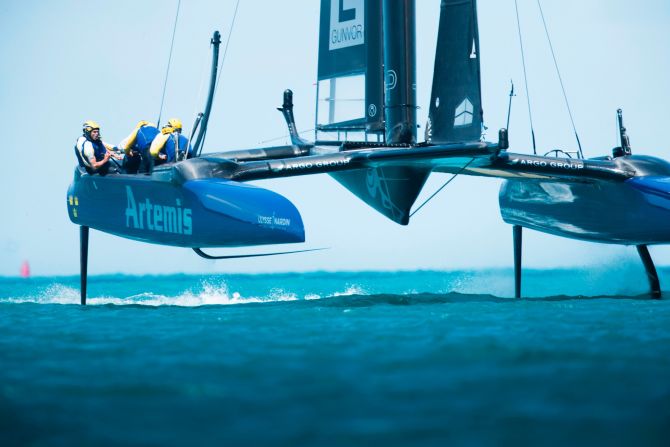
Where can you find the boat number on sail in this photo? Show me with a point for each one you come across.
(150, 216)
(347, 24)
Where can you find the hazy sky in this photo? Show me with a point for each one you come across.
(64, 62)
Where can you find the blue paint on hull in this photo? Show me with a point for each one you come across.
(197, 213)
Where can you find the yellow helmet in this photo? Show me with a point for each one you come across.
(175, 123)
(90, 125)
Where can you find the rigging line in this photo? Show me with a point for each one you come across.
(223, 60)
(284, 136)
(565, 96)
(202, 84)
(442, 187)
(225, 50)
(167, 72)
(525, 76)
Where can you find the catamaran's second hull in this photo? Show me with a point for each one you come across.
(632, 212)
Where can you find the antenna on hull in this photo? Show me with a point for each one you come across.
(623, 136)
(509, 107)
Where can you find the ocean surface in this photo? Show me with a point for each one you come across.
(423, 358)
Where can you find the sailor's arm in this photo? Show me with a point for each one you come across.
(113, 151)
(96, 164)
(89, 153)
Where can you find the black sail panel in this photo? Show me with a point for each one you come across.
(374, 70)
(456, 105)
(350, 44)
(342, 49)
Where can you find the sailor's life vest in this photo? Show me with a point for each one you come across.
(85, 148)
(145, 135)
(140, 138)
(136, 147)
(170, 143)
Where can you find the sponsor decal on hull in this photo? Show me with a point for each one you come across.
(162, 218)
(555, 164)
(317, 164)
(274, 221)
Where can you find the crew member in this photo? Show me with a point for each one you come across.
(136, 147)
(92, 153)
(170, 145)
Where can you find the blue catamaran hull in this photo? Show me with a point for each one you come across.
(197, 213)
(633, 212)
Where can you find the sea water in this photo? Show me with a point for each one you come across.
(356, 358)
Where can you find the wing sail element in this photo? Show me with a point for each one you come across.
(456, 102)
(350, 69)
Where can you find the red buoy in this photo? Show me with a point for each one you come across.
(25, 270)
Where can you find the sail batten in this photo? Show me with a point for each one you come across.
(456, 106)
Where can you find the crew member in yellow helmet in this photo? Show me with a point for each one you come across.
(92, 153)
(136, 147)
(170, 145)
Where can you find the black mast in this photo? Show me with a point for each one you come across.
(400, 70)
(197, 147)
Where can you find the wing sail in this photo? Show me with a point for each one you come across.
(350, 69)
(456, 104)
